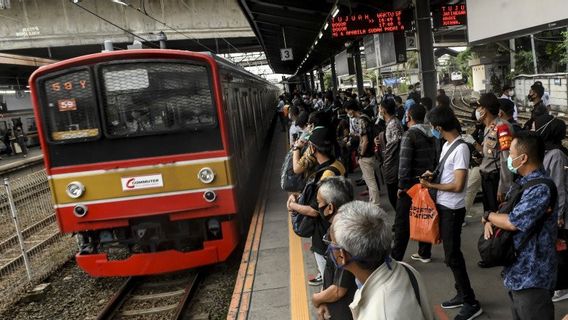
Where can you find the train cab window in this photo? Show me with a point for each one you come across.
(71, 113)
(148, 98)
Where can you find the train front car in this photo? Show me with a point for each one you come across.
(136, 150)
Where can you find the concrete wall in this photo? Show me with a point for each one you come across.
(17, 102)
(479, 78)
(45, 23)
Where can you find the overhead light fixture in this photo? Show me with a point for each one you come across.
(335, 12)
(320, 35)
(325, 26)
(316, 43)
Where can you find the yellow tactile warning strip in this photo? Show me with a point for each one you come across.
(298, 292)
(240, 301)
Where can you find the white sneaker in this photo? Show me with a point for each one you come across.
(560, 295)
(416, 256)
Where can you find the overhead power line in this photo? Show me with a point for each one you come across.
(114, 24)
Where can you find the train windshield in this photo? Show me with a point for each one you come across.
(72, 107)
(147, 98)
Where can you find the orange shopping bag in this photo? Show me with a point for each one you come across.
(424, 218)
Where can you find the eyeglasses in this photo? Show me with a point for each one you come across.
(330, 243)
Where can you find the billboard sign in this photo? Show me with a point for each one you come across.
(493, 20)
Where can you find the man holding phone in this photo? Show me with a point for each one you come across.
(449, 181)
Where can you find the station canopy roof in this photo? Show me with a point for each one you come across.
(298, 23)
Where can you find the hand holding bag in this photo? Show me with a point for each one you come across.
(424, 218)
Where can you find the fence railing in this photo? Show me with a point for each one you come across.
(31, 246)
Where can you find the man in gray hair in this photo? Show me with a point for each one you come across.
(361, 243)
(338, 284)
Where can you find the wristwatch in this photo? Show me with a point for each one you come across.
(486, 216)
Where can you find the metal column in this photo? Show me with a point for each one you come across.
(535, 62)
(333, 76)
(426, 48)
(320, 78)
(358, 69)
(312, 81)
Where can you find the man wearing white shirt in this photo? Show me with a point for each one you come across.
(508, 93)
(448, 183)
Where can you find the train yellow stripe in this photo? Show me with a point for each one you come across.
(107, 184)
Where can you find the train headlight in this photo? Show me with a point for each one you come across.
(75, 189)
(206, 175)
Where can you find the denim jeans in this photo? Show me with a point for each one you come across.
(402, 231)
(450, 233)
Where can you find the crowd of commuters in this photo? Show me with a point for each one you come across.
(397, 144)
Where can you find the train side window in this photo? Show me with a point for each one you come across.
(148, 98)
(30, 125)
(3, 128)
(70, 107)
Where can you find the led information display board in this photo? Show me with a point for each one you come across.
(450, 15)
(364, 23)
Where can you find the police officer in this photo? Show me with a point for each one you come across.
(498, 135)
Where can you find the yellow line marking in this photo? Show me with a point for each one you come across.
(298, 292)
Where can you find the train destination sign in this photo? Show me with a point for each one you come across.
(364, 23)
(450, 15)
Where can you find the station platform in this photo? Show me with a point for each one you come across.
(273, 280)
(14, 163)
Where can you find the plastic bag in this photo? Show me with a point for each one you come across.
(289, 181)
(424, 218)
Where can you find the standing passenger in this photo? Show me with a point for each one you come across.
(495, 177)
(391, 150)
(389, 290)
(338, 284)
(321, 147)
(417, 155)
(530, 279)
(367, 162)
(450, 203)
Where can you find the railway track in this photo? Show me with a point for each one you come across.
(36, 238)
(153, 297)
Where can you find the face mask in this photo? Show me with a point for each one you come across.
(478, 115)
(511, 93)
(510, 164)
(322, 213)
(358, 283)
(381, 116)
(436, 133)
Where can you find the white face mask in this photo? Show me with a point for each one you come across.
(478, 115)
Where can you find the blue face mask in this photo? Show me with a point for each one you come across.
(436, 133)
(510, 164)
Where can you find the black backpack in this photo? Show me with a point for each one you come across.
(499, 250)
(302, 225)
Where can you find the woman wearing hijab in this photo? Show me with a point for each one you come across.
(553, 131)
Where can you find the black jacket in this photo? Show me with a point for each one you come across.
(417, 154)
